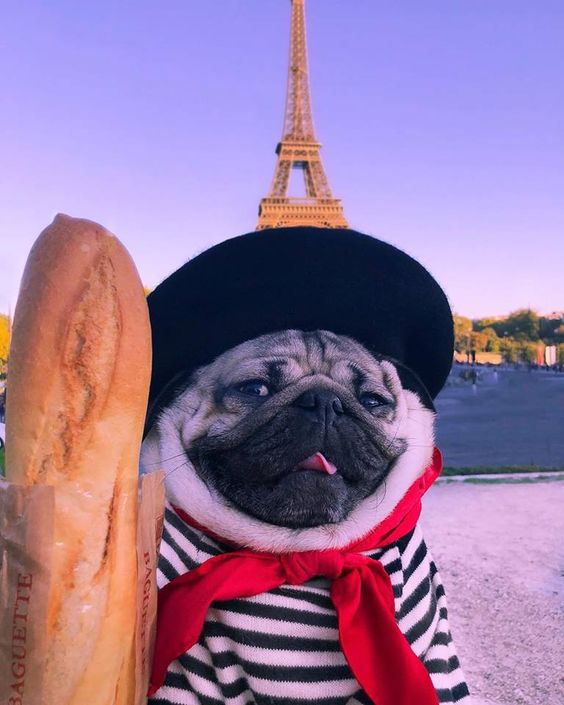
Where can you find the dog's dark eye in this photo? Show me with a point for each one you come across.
(371, 401)
(253, 388)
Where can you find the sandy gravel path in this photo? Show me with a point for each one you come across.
(500, 551)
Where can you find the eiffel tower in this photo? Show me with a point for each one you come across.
(299, 149)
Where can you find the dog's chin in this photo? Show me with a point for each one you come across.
(294, 499)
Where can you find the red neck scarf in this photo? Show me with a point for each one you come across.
(378, 654)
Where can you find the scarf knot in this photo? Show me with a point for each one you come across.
(303, 566)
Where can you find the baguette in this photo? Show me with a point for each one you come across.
(77, 394)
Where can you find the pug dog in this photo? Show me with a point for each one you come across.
(294, 441)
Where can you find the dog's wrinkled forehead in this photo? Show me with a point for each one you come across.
(288, 356)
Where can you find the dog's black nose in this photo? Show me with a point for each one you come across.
(323, 404)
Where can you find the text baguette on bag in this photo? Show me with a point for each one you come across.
(19, 635)
(147, 584)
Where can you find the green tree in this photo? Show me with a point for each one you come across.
(509, 349)
(522, 325)
(492, 341)
(548, 328)
(462, 332)
(483, 323)
(478, 341)
(528, 351)
(558, 334)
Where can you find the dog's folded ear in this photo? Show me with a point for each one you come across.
(165, 397)
(410, 380)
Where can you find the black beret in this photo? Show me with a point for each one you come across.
(308, 279)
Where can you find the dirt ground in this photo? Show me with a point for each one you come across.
(500, 552)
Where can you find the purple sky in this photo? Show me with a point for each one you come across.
(442, 124)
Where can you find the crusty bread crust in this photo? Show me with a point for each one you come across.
(77, 393)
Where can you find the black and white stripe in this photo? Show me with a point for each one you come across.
(282, 647)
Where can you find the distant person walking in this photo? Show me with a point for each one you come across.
(2, 407)
(474, 380)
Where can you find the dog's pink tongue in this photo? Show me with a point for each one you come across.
(318, 462)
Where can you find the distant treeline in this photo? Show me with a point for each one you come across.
(517, 337)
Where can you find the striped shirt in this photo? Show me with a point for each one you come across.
(282, 647)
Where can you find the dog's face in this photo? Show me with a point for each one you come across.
(293, 429)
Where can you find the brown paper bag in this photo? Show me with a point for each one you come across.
(26, 550)
(149, 530)
(26, 541)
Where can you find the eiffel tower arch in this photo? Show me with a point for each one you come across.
(299, 149)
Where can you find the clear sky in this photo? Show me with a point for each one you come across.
(442, 123)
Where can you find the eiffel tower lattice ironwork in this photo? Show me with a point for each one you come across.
(299, 149)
